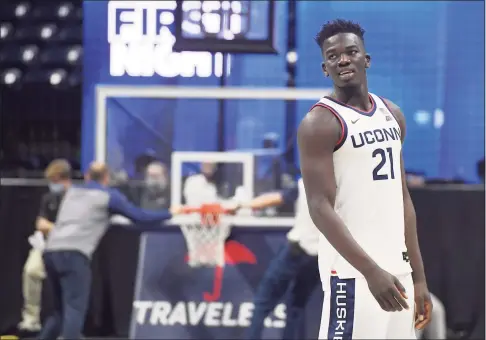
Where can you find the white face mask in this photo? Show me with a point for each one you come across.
(156, 183)
(56, 187)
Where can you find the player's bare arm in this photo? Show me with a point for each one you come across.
(270, 199)
(422, 297)
(317, 136)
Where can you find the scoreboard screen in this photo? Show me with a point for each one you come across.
(225, 26)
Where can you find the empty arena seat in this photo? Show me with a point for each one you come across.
(61, 55)
(68, 11)
(36, 76)
(34, 33)
(27, 54)
(11, 10)
(71, 34)
(46, 12)
(41, 41)
(55, 11)
(7, 32)
(10, 54)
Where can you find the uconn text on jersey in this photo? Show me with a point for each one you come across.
(375, 136)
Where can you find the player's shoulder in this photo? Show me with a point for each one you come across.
(394, 109)
(318, 129)
(195, 179)
(301, 187)
(47, 196)
(320, 119)
(115, 197)
(52, 196)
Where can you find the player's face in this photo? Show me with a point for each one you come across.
(106, 179)
(55, 179)
(345, 60)
(208, 169)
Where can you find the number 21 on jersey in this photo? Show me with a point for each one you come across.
(384, 156)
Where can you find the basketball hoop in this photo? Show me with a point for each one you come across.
(205, 232)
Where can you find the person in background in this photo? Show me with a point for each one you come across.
(82, 221)
(480, 169)
(142, 161)
(415, 179)
(294, 266)
(437, 328)
(200, 188)
(154, 193)
(58, 174)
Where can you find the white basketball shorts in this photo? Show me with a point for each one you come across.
(350, 311)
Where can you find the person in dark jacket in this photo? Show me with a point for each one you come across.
(83, 219)
(58, 174)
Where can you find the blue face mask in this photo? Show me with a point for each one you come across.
(56, 187)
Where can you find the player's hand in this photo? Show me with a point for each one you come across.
(176, 210)
(232, 208)
(387, 290)
(423, 305)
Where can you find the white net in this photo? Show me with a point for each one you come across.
(205, 235)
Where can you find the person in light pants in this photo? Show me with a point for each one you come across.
(58, 173)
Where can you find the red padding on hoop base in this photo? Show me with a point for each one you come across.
(235, 253)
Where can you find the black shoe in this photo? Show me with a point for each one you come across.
(27, 334)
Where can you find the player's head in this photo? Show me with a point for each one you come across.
(343, 51)
(208, 169)
(98, 172)
(58, 173)
(156, 176)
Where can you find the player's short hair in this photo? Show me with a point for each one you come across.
(58, 169)
(338, 26)
(98, 171)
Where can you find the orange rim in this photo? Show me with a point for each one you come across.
(210, 213)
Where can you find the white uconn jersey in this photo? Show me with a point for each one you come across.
(369, 196)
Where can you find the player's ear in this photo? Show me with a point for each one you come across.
(367, 61)
(323, 66)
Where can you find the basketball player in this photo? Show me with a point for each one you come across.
(350, 145)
